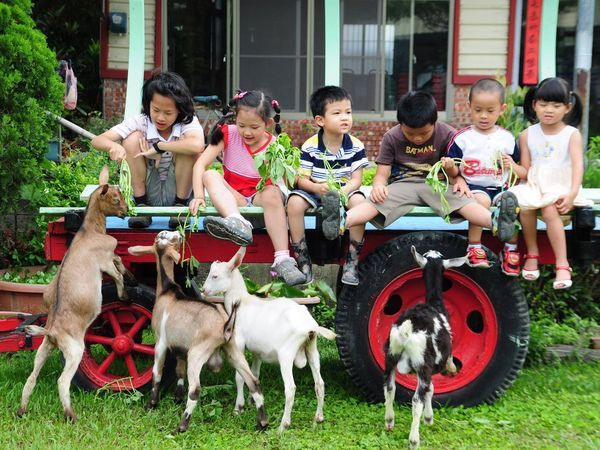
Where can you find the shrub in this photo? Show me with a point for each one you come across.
(29, 87)
(591, 177)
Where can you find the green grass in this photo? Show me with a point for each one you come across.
(548, 407)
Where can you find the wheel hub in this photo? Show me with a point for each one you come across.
(122, 345)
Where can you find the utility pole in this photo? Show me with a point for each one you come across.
(583, 60)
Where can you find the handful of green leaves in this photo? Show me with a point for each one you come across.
(440, 187)
(125, 187)
(498, 164)
(280, 160)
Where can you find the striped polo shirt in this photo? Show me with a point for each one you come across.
(350, 157)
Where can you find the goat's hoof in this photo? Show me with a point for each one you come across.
(21, 412)
(413, 444)
(428, 420)
(70, 416)
(283, 426)
(389, 426)
(262, 425)
(151, 405)
(238, 410)
(319, 418)
(180, 429)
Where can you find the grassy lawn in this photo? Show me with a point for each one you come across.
(548, 407)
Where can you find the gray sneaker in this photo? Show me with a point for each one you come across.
(303, 259)
(231, 228)
(287, 270)
(504, 218)
(331, 215)
(350, 270)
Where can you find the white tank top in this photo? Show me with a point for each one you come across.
(551, 150)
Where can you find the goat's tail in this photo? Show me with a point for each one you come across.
(399, 336)
(34, 330)
(326, 333)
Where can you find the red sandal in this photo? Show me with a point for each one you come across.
(531, 275)
(562, 284)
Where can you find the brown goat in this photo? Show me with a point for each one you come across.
(74, 296)
(193, 327)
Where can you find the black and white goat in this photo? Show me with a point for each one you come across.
(420, 342)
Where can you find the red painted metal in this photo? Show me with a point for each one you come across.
(117, 330)
(12, 340)
(466, 301)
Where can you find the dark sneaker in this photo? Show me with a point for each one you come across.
(140, 221)
(231, 228)
(510, 262)
(350, 270)
(331, 215)
(176, 221)
(287, 270)
(303, 259)
(504, 218)
(476, 257)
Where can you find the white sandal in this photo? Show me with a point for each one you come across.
(531, 275)
(562, 284)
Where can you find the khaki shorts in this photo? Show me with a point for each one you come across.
(403, 196)
(160, 192)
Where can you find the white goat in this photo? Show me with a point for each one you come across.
(74, 297)
(274, 330)
(421, 342)
(193, 327)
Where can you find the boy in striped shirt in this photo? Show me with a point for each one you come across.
(332, 152)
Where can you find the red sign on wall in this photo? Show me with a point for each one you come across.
(532, 41)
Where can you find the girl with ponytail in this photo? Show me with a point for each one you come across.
(253, 113)
(551, 150)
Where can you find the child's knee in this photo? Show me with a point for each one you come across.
(131, 143)
(550, 212)
(483, 199)
(271, 196)
(355, 200)
(211, 176)
(296, 206)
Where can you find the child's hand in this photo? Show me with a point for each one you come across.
(147, 150)
(564, 204)
(117, 152)
(507, 161)
(460, 187)
(379, 193)
(196, 203)
(322, 188)
(447, 162)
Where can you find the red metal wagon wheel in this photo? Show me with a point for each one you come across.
(472, 319)
(119, 348)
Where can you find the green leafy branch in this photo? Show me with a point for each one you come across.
(125, 186)
(440, 187)
(280, 160)
(332, 183)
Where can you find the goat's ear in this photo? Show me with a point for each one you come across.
(454, 262)
(139, 250)
(103, 179)
(173, 254)
(237, 259)
(420, 259)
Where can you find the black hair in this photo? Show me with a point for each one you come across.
(169, 84)
(488, 85)
(325, 95)
(554, 90)
(417, 109)
(260, 102)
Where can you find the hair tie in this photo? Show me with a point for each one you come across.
(240, 95)
(274, 104)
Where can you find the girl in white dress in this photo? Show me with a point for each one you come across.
(551, 150)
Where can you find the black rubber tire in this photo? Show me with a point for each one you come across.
(393, 259)
(140, 295)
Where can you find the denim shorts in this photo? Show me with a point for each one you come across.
(493, 192)
(314, 200)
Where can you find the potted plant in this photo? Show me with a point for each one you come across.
(22, 290)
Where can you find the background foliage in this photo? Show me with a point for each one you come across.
(29, 86)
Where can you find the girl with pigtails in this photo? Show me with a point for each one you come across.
(551, 150)
(254, 113)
